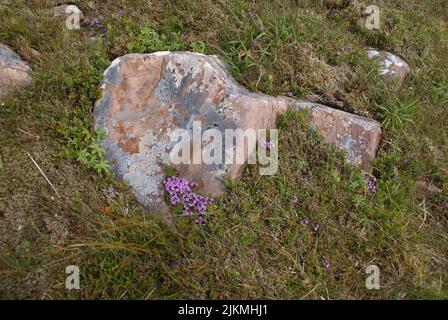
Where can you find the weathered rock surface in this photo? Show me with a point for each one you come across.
(359, 136)
(14, 73)
(147, 96)
(392, 67)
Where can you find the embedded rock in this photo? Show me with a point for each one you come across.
(146, 97)
(359, 136)
(14, 73)
(392, 67)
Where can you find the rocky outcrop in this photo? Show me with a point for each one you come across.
(14, 73)
(148, 96)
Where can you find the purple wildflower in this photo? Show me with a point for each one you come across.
(371, 183)
(95, 22)
(315, 227)
(304, 222)
(180, 192)
(268, 145)
(294, 200)
(326, 263)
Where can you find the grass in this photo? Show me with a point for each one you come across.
(253, 245)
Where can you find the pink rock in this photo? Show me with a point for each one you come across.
(14, 73)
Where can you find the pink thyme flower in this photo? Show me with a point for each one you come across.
(267, 145)
(180, 192)
(371, 183)
(326, 263)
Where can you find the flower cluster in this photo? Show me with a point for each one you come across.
(181, 192)
(371, 183)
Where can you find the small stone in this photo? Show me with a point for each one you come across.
(392, 67)
(67, 10)
(423, 190)
(14, 72)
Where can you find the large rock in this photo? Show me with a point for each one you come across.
(392, 67)
(14, 73)
(147, 96)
